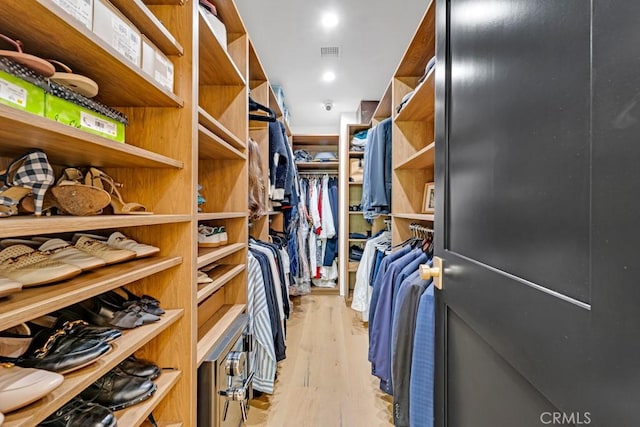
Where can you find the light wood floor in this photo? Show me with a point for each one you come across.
(326, 380)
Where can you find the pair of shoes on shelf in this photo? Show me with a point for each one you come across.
(203, 278)
(118, 240)
(59, 350)
(20, 387)
(119, 389)
(80, 413)
(212, 237)
(31, 267)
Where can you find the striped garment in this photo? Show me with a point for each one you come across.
(263, 356)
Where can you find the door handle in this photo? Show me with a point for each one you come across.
(436, 272)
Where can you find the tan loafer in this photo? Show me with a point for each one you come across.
(15, 341)
(8, 286)
(21, 386)
(59, 250)
(203, 278)
(120, 241)
(32, 268)
(101, 250)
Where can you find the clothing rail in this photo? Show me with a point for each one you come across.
(420, 229)
(318, 173)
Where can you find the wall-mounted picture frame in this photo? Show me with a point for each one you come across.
(428, 198)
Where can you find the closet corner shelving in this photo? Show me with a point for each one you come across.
(413, 130)
(316, 143)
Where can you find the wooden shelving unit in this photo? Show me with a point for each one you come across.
(212, 124)
(413, 130)
(115, 75)
(220, 215)
(302, 166)
(208, 255)
(220, 276)
(220, 68)
(215, 327)
(77, 381)
(214, 147)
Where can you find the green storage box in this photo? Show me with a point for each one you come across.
(79, 117)
(21, 94)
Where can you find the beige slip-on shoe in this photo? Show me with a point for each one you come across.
(59, 250)
(15, 341)
(120, 241)
(102, 250)
(8, 286)
(22, 386)
(31, 267)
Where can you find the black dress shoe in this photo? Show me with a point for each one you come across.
(117, 390)
(81, 329)
(62, 353)
(139, 368)
(101, 314)
(78, 413)
(146, 302)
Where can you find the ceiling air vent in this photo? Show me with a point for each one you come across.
(330, 52)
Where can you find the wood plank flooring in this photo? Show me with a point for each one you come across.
(326, 380)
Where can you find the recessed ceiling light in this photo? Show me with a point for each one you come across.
(329, 76)
(329, 20)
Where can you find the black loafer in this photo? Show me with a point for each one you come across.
(147, 303)
(117, 390)
(78, 413)
(59, 352)
(139, 368)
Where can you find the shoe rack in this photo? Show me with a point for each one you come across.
(413, 131)
(175, 140)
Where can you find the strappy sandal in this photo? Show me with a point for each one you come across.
(38, 65)
(30, 173)
(81, 84)
(96, 178)
(71, 196)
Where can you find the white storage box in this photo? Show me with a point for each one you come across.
(82, 10)
(115, 29)
(156, 64)
(218, 28)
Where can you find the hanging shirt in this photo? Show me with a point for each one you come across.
(263, 356)
(423, 362)
(362, 291)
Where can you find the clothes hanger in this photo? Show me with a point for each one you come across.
(255, 106)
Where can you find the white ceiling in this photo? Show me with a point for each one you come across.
(287, 35)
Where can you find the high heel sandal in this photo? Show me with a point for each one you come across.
(71, 196)
(96, 178)
(30, 173)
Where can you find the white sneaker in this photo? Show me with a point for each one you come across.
(222, 232)
(208, 237)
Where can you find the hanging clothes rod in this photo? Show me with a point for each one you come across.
(316, 173)
(420, 229)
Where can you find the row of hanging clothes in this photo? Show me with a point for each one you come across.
(268, 307)
(317, 231)
(399, 306)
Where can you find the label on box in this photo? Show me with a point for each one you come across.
(92, 122)
(125, 41)
(164, 72)
(12, 93)
(82, 10)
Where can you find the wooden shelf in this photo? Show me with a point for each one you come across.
(357, 127)
(140, 15)
(212, 124)
(77, 381)
(220, 275)
(211, 146)
(31, 225)
(34, 302)
(421, 160)
(256, 70)
(162, 424)
(136, 415)
(121, 82)
(422, 47)
(353, 266)
(166, 2)
(356, 153)
(355, 183)
(355, 213)
(272, 213)
(358, 240)
(384, 108)
(21, 131)
(273, 102)
(229, 14)
(208, 255)
(214, 328)
(216, 65)
(318, 165)
(221, 215)
(416, 217)
(319, 140)
(421, 106)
